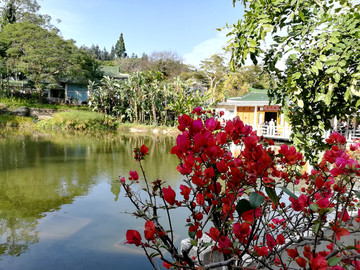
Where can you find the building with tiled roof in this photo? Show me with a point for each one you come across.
(254, 109)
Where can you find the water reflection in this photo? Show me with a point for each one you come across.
(40, 176)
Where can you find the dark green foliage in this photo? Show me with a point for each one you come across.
(9, 14)
(120, 49)
(43, 57)
(320, 39)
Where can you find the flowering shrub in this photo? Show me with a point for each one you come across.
(248, 205)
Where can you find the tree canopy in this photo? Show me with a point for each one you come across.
(24, 11)
(44, 57)
(321, 41)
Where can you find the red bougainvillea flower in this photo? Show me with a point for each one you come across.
(200, 199)
(133, 175)
(334, 138)
(301, 261)
(149, 231)
(197, 110)
(270, 242)
(293, 253)
(339, 231)
(318, 263)
(225, 244)
(144, 150)
(249, 215)
(261, 251)
(280, 239)
(199, 216)
(241, 230)
(356, 264)
(344, 215)
(133, 237)
(214, 233)
(290, 156)
(222, 166)
(299, 204)
(211, 124)
(167, 265)
(169, 195)
(185, 191)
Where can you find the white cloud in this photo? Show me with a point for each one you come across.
(206, 49)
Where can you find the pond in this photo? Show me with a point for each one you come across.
(60, 206)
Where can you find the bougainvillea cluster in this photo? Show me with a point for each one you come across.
(260, 209)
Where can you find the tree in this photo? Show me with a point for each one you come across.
(215, 70)
(120, 49)
(238, 82)
(105, 56)
(235, 85)
(24, 11)
(167, 62)
(44, 57)
(9, 14)
(321, 38)
(112, 53)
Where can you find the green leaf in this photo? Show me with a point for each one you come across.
(301, 14)
(314, 207)
(288, 192)
(242, 206)
(319, 96)
(331, 63)
(322, 58)
(328, 98)
(192, 234)
(272, 194)
(252, 43)
(334, 40)
(347, 95)
(318, 64)
(315, 70)
(256, 199)
(296, 75)
(333, 261)
(317, 227)
(207, 244)
(193, 242)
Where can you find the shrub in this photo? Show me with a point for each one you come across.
(248, 205)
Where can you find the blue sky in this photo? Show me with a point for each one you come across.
(187, 27)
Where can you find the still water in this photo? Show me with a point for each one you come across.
(60, 207)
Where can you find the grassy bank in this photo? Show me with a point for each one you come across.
(72, 119)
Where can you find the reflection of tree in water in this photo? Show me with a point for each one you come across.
(37, 177)
(17, 235)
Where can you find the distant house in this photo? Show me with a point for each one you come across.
(78, 93)
(254, 110)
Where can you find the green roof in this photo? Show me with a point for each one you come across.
(111, 71)
(253, 95)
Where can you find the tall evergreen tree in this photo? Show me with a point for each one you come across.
(9, 13)
(112, 54)
(120, 49)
